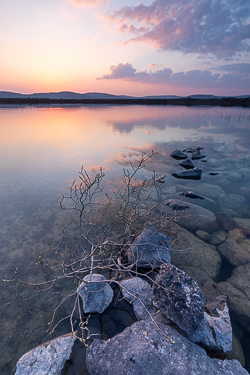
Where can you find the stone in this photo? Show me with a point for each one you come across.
(197, 155)
(243, 225)
(234, 253)
(204, 236)
(238, 302)
(211, 191)
(150, 248)
(215, 331)
(225, 220)
(187, 164)
(193, 217)
(96, 293)
(142, 349)
(189, 251)
(218, 237)
(235, 235)
(233, 203)
(192, 174)
(139, 292)
(178, 155)
(46, 359)
(237, 351)
(190, 194)
(179, 297)
(205, 282)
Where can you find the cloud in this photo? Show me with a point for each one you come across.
(236, 75)
(87, 2)
(217, 27)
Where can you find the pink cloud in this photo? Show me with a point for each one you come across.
(87, 2)
(197, 26)
(234, 75)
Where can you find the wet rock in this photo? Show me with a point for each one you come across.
(215, 331)
(213, 173)
(179, 297)
(46, 359)
(150, 248)
(235, 235)
(192, 149)
(192, 174)
(194, 217)
(243, 225)
(197, 155)
(204, 236)
(96, 293)
(144, 350)
(178, 155)
(190, 194)
(225, 220)
(187, 164)
(233, 203)
(234, 253)
(140, 294)
(189, 251)
(218, 237)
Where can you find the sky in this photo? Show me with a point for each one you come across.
(160, 47)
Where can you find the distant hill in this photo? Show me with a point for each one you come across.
(100, 96)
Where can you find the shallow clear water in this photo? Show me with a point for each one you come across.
(41, 152)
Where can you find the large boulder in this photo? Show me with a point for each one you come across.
(189, 215)
(144, 349)
(96, 293)
(215, 331)
(189, 251)
(47, 359)
(179, 297)
(150, 248)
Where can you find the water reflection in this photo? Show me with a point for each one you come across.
(41, 151)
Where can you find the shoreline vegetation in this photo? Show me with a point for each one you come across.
(222, 102)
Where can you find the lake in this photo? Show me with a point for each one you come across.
(42, 149)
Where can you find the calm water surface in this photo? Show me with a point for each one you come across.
(41, 152)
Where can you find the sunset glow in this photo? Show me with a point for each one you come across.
(118, 47)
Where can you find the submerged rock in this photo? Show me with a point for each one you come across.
(150, 248)
(191, 195)
(142, 349)
(96, 293)
(179, 297)
(47, 359)
(225, 220)
(235, 254)
(189, 251)
(192, 174)
(178, 155)
(193, 217)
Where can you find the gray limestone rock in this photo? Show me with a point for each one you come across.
(150, 248)
(139, 293)
(142, 349)
(193, 217)
(179, 297)
(47, 359)
(215, 331)
(96, 293)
